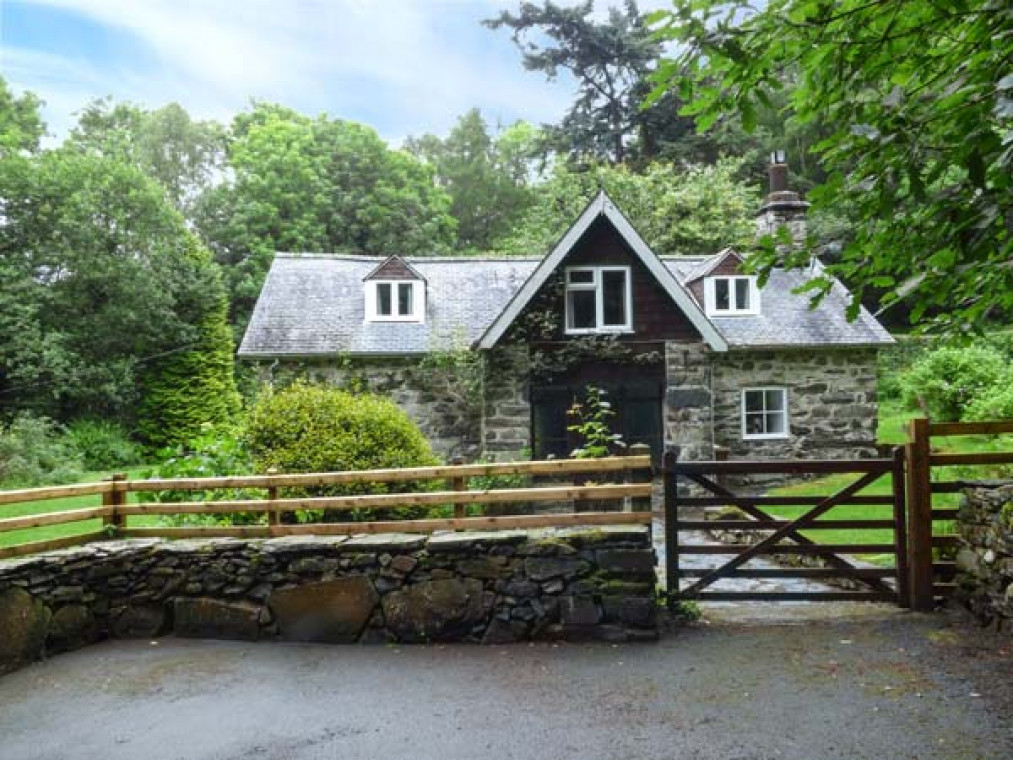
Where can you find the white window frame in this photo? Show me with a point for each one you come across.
(746, 436)
(597, 286)
(711, 301)
(418, 301)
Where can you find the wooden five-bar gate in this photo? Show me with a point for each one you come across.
(690, 487)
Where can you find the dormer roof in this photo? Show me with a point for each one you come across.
(394, 268)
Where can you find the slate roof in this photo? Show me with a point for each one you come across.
(312, 305)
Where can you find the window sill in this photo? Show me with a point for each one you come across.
(765, 437)
(601, 331)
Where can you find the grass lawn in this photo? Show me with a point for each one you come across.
(58, 505)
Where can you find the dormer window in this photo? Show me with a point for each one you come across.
(395, 301)
(395, 292)
(731, 296)
(598, 299)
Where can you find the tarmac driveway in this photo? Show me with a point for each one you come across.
(886, 685)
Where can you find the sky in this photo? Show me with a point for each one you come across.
(405, 67)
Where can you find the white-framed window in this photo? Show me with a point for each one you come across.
(395, 301)
(598, 299)
(736, 295)
(764, 413)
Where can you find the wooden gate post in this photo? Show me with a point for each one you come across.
(919, 516)
(669, 462)
(900, 528)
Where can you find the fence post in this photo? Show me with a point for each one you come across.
(273, 517)
(669, 462)
(900, 528)
(459, 484)
(635, 476)
(115, 498)
(919, 516)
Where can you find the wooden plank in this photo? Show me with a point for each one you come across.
(795, 572)
(787, 466)
(884, 500)
(984, 457)
(798, 538)
(51, 544)
(919, 517)
(559, 467)
(947, 486)
(944, 570)
(900, 529)
(944, 589)
(775, 524)
(380, 501)
(803, 521)
(218, 531)
(945, 514)
(946, 542)
(970, 428)
(734, 549)
(505, 522)
(53, 518)
(24, 495)
(795, 596)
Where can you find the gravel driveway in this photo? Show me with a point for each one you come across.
(885, 685)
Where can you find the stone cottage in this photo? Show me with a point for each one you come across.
(488, 353)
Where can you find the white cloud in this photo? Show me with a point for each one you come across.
(405, 66)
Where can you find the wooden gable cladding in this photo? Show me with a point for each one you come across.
(655, 316)
(394, 268)
(729, 266)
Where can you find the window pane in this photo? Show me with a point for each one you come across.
(775, 423)
(742, 294)
(754, 424)
(581, 309)
(721, 295)
(404, 299)
(754, 401)
(581, 275)
(614, 306)
(775, 400)
(383, 299)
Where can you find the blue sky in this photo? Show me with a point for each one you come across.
(405, 67)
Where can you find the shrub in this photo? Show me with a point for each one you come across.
(317, 428)
(946, 381)
(216, 452)
(102, 444)
(34, 451)
(996, 403)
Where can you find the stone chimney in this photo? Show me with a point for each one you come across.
(782, 207)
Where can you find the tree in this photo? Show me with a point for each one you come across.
(486, 178)
(21, 125)
(687, 210)
(919, 102)
(316, 185)
(181, 154)
(99, 277)
(609, 60)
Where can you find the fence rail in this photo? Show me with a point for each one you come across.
(115, 511)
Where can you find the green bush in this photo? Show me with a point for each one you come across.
(35, 451)
(996, 403)
(216, 452)
(946, 381)
(317, 428)
(103, 444)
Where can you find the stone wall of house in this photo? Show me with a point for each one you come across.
(687, 414)
(832, 404)
(985, 558)
(445, 402)
(506, 419)
(570, 584)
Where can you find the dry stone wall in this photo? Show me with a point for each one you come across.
(563, 584)
(985, 558)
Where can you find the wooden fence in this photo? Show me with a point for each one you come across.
(932, 577)
(116, 510)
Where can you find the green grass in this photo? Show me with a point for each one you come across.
(58, 505)
(893, 426)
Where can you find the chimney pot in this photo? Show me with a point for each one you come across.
(778, 177)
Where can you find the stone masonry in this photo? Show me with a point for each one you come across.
(985, 558)
(563, 584)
